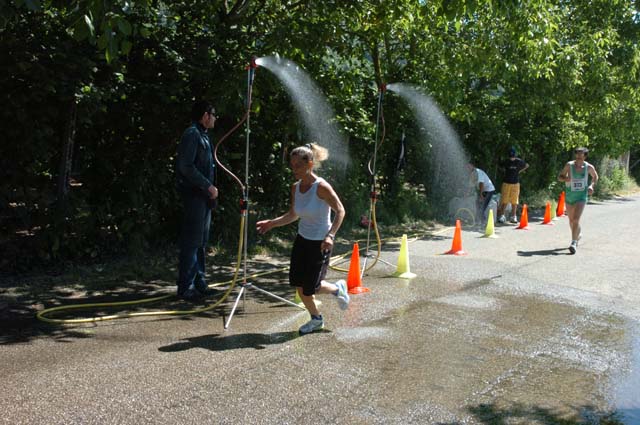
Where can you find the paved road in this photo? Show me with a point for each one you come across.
(517, 331)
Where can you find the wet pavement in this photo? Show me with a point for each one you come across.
(516, 332)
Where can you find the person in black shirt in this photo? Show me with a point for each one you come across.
(195, 176)
(510, 191)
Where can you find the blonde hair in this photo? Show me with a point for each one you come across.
(311, 152)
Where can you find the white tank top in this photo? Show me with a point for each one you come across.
(314, 213)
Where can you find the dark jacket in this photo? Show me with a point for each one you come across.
(195, 169)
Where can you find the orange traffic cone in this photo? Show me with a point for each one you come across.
(354, 281)
(547, 215)
(524, 219)
(560, 209)
(456, 245)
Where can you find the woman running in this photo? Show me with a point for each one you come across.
(312, 199)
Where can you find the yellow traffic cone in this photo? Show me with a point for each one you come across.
(403, 269)
(490, 230)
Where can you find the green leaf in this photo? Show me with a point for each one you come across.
(89, 24)
(124, 26)
(125, 47)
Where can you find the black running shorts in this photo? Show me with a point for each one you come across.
(308, 265)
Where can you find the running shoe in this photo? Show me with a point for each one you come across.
(342, 296)
(573, 247)
(502, 219)
(311, 326)
(514, 219)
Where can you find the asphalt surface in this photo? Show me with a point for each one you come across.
(516, 331)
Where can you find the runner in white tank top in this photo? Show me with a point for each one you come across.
(314, 213)
(312, 199)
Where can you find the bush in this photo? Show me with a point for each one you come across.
(613, 180)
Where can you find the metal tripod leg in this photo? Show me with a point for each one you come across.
(380, 260)
(235, 305)
(246, 286)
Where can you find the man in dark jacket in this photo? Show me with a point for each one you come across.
(195, 176)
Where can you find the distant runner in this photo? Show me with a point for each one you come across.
(576, 176)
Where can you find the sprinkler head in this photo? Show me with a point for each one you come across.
(252, 63)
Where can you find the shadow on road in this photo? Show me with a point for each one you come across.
(490, 414)
(544, 252)
(216, 342)
(21, 299)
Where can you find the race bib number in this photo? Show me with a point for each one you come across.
(577, 185)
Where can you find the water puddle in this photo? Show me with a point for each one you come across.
(362, 334)
(626, 397)
(469, 301)
(469, 357)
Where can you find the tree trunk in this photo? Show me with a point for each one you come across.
(66, 159)
(624, 161)
(375, 56)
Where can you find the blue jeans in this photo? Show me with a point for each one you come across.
(194, 238)
(483, 213)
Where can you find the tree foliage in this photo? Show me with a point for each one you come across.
(110, 82)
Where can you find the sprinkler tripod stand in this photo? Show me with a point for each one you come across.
(372, 221)
(371, 166)
(374, 195)
(245, 286)
(244, 206)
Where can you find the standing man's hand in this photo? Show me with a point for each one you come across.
(213, 192)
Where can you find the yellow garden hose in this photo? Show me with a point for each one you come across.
(42, 314)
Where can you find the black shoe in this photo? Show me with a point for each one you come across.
(191, 295)
(204, 290)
